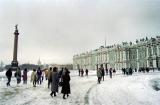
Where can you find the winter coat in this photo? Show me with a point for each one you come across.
(110, 71)
(55, 81)
(60, 73)
(46, 73)
(102, 69)
(9, 73)
(18, 74)
(49, 75)
(39, 72)
(66, 84)
(24, 75)
(99, 73)
(33, 76)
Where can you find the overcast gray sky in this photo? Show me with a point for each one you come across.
(55, 30)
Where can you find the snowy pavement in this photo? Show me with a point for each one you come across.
(139, 89)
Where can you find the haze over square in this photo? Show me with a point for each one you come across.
(55, 30)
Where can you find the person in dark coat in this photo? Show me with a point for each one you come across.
(99, 75)
(147, 69)
(82, 72)
(79, 72)
(25, 76)
(55, 81)
(103, 73)
(87, 72)
(18, 75)
(130, 71)
(39, 74)
(106, 71)
(66, 85)
(9, 75)
(114, 72)
(110, 72)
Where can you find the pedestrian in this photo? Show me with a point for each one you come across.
(87, 72)
(103, 73)
(110, 72)
(60, 73)
(130, 71)
(9, 75)
(43, 73)
(79, 72)
(60, 77)
(24, 76)
(135, 69)
(18, 75)
(124, 71)
(106, 71)
(34, 77)
(99, 75)
(46, 74)
(49, 76)
(127, 71)
(66, 85)
(114, 71)
(147, 69)
(66, 70)
(39, 74)
(55, 81)
(82, 72)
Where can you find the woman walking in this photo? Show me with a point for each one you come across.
(54, 83)
(110, 72)
(49, 76)
(99, 75)
(34, 77)
(66, 85)
(18, 75)
(24, 76)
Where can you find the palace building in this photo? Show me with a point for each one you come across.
(144, 53)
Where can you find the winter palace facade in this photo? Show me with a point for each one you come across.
(144, 53)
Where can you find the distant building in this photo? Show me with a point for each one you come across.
(143, 53)
(39, 62)
(68, 66)
(60, 66)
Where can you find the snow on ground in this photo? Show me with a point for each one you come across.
(139, 89)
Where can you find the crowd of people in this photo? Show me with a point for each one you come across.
(54, 77)
(130, 71)
(101, 73)
(61, 78)
(81, 72)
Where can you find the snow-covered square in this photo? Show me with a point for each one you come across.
(138, 89)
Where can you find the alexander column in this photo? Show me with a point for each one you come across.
(15, 62)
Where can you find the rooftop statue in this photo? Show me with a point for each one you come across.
(16, 26)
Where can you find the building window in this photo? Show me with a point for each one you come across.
(151, 63)
(154, 50)
(149, 51)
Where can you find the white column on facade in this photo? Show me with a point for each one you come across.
(147, 55)
(101, 57)
(151, 50)
(157, 49)
(98, 58)
(137, 58)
